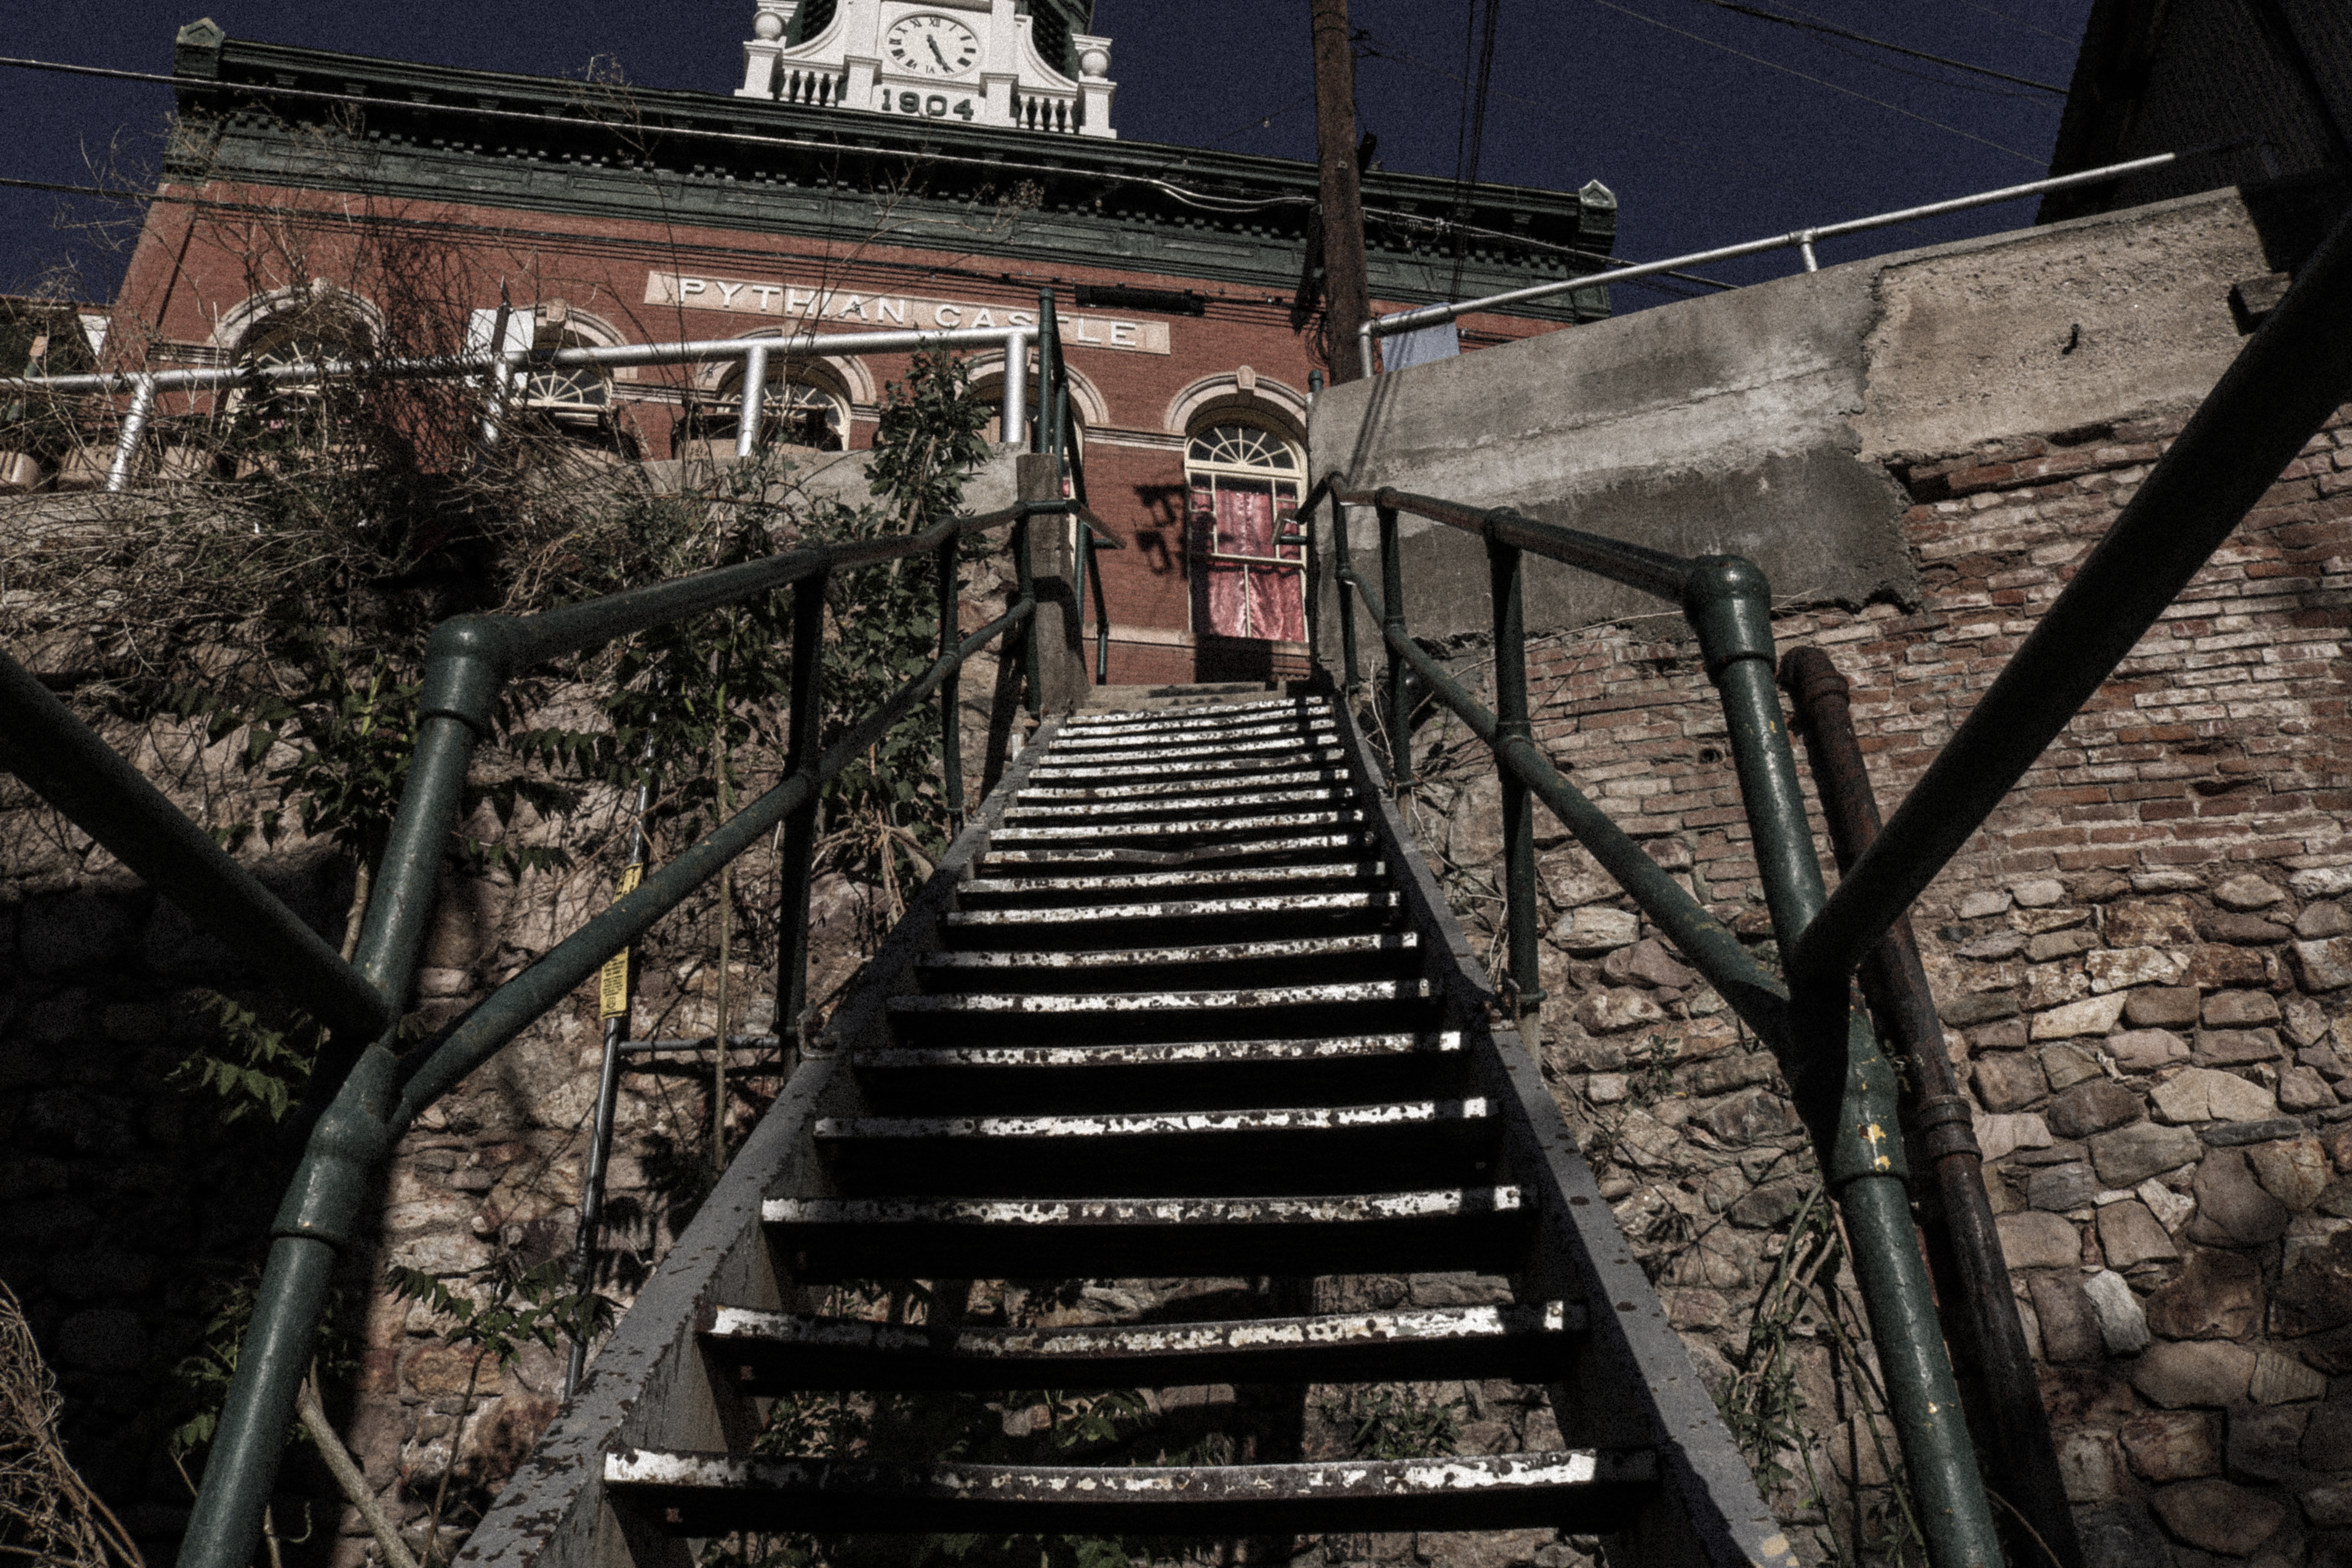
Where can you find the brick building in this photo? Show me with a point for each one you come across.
(883, 164)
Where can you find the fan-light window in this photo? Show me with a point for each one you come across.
(1244, 447)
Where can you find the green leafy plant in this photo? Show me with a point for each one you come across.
(1395, 1421)
(199, 1379)
(1764, 1408)
(251, 1068)
(1652, 1079)
(517, 1306)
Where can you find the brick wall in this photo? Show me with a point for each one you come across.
(2141, 959)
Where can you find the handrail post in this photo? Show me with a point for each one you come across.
(608, 1089)
(2019, 1453)
(1025, 580)
(126, 440)
(1400, 672)
(1078, 588)
(753, 403)
(1013, 414)
(1513, 726)
(1346, 591)
(1042, 434)
(1102, 617)
(950, 688)
(1844, 1088)
(465, 662)
(800, 826)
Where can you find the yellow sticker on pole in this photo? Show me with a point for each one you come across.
(612, 985)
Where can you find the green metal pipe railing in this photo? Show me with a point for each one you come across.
(515, 1006)
(2284, 385)
(468, 660)
(2293, 373)
(2012, 1425)
(64, 761)
(1055, 433)
(1844, 1086)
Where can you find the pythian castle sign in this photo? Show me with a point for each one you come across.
(809, 306)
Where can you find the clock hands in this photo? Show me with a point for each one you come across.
(936, 54)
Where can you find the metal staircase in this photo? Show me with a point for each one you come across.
(1181, 1001)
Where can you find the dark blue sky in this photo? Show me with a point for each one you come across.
(1702, 147)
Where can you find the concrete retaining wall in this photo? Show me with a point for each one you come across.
(1762, 422)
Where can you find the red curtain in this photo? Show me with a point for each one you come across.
(1245, 599)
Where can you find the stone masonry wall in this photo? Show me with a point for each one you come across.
(2143, 961)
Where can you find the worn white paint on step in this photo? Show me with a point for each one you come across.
(1177, 908)
(1181, 1054)
(1158, 1124)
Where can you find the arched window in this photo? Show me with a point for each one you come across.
(1243, 479)
(572, 401)
(988, 389)
(306, 326)
(805, 405)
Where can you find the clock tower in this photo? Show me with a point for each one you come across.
(1025, 64)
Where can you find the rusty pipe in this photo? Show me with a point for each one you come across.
(2023, 1460)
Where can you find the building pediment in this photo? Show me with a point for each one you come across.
(967, 62)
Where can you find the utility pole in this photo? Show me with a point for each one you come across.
(1347, 304)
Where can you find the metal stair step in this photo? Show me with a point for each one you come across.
(1148, 788)
(1109, 884)
(1168, 1054)
(1387, 992)
(1290, 748)
(693, 1494)
(1243, 802)
(1420, 1232)
(779, 1352)
(1068, 853)
(1082, 742)
(1109, 712)
(1077, 966)
(1160, 1153)
(1194, 827)
(1104, 712)
(1027, 1078)
(1193, 953)
(1075, 1017)
(1236, 911)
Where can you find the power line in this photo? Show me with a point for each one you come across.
(1819, 82)
(2017, 22)
(1761, 14)
(1713, 163)
(1470, 131)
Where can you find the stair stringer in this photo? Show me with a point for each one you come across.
(650, 1385)
(1633, 1385)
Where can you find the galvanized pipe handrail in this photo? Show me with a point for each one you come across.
(757, 353)
(2290, 376)
(433, 367)
(1802, 239)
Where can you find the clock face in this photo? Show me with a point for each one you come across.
(932, 45)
